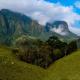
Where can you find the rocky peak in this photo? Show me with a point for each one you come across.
(60, 27)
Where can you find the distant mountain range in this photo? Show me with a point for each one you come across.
(14, 25)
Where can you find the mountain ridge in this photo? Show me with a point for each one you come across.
(13, 25)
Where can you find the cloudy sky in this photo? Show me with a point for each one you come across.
(48, 10)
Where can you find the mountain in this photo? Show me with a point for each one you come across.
(14, 25)
(60, 29)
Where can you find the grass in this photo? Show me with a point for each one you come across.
(13, 69)
(67, 68)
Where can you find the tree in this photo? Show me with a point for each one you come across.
(56, 54)
(53, 41)
(40, 53)
(45, 51)
(72, 46)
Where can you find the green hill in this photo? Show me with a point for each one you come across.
(67, 68)
(13, 69)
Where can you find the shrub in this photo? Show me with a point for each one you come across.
(57, 54)
(15, 50)
(40, 53)
(72, 46)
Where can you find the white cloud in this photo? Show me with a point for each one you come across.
(77, 4)
(60, 30)
(42, 11)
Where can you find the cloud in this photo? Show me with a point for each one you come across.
(60, 30)
(42, 11)
(77, 4)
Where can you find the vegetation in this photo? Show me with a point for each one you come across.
(41, 53)
(72, 47)
(57, 54)
(11, 68)
(67, 68)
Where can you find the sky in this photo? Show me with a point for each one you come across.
(48, 11)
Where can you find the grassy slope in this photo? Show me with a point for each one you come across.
(13, 69)
(67, 68)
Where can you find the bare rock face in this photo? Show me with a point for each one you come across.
(60, 27)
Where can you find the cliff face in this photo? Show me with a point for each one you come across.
(13, 25)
